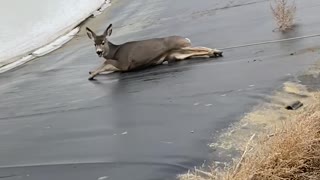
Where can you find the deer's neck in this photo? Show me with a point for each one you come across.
(112, 50)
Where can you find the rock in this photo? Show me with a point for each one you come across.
(294, 106)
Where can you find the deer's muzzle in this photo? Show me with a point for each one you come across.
(99, 52)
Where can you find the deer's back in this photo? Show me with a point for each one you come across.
(139, 53)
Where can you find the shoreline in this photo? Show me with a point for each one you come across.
(269, 120)
(19, 60)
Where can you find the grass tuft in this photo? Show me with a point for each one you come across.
(284, 14)
(292, 152)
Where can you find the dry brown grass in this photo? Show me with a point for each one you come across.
(284, 14)
(292, 152)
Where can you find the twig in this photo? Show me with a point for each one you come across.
(204, 173)
(243, 155)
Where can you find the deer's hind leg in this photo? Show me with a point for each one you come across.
(203, 51)
(193, 52)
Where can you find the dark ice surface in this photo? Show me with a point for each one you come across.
(150, 124)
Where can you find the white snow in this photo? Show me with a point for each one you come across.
(29, 25)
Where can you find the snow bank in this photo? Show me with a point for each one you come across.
(45, 24)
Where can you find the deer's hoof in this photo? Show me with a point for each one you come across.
(91, 78)
(218, 54)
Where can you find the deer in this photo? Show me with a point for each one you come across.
(134, 55)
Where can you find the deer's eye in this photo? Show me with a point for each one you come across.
(95, 44)
(102, 43)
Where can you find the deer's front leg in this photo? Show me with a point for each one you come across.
(108, 65)
(100, 67)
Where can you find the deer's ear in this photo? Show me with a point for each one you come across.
(108, 31)
(90, 33)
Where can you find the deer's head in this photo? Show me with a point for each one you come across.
(100, 41)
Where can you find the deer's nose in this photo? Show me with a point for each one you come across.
(99, 52)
